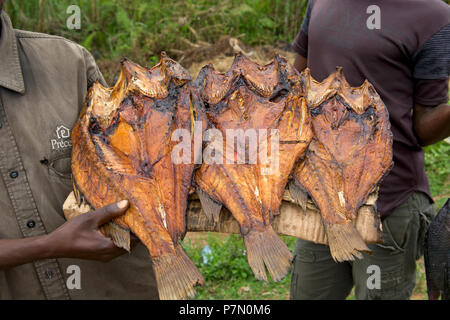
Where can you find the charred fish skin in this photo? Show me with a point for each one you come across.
(437, 255)
(349, 155)
(122, 149)
(253, 97)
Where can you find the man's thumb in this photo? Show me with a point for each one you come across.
(111, 211)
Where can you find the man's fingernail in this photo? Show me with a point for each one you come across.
(122, 204)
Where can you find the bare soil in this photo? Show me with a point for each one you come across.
(220, 54)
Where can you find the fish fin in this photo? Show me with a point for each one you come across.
(119, 235)
(176, 275)
(209, 206)
(345, 242)
(368, 224)
(266, 249)
(114, 159)
(76, 193)
(299, 195)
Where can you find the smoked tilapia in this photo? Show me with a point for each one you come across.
(122, 149)
(350, 153)
(258, 129)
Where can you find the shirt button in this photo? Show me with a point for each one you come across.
(13, 174)
(49, 274)
(31, 224)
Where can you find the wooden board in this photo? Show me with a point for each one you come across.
(292, 221)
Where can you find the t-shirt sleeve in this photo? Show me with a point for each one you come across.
(431, 92)
(300, 44)
(432, 69)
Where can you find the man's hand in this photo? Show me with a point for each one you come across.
(78, 238)
(431, 124)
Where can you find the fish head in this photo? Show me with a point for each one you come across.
(333, 112)
(352, 119)
(137, 82)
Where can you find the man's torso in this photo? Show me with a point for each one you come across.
(35, 165)
(381, 48)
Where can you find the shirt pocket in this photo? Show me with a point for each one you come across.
(60, 168)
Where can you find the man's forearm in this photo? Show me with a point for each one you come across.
(79, 238)
(20, 251)
(432, 124)
(300, 63)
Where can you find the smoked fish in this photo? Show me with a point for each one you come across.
(122, 149)
(350, 153)
(259, 128)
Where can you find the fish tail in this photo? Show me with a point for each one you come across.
(266, 249)
(120, 236)
(345, 242)
(176, 276)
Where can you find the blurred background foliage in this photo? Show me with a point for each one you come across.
(111, 29)
(437, 164)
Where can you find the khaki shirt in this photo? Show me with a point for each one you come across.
(43, 84)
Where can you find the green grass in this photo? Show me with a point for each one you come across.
(228, 276)
(437, 164)
(227, 273)
(141, 29)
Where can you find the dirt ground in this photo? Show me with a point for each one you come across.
(200, 239)
(221, 55)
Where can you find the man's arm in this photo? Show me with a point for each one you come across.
(300, 63)
(78, 238)
(300, 44)
(431, 70)
(431, 124)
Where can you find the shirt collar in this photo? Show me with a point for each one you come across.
(11, 76)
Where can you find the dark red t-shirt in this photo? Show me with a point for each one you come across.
(407, 60)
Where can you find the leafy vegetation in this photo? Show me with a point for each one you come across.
(138, 29)
(437, 164)
(141, 29)
(226, 271)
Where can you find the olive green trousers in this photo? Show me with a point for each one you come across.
(388, 273)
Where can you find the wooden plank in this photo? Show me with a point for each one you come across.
(292, 221)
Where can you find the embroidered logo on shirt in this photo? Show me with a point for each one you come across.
(62, 140)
